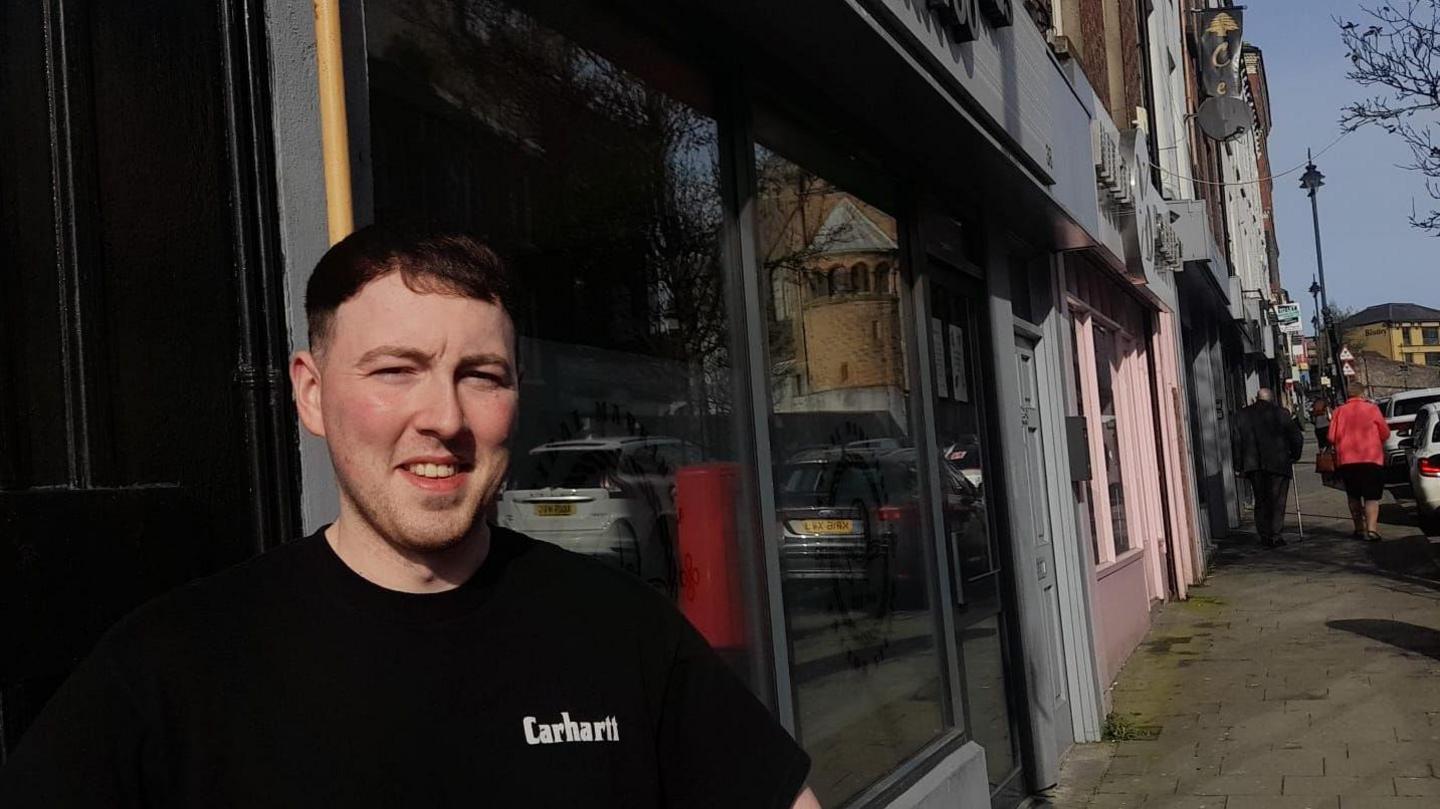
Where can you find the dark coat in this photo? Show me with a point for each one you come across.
(1266, 439)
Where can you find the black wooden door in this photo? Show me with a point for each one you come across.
(145, 433)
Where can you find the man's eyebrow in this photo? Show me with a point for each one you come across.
(394, 352)
(471, 360)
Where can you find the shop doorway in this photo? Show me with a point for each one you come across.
(1052, 711)
(982, 619)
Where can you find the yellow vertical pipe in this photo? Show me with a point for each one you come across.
(334, 132)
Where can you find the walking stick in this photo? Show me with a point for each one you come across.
(1299, 518)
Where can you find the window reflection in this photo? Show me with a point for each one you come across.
(603, 193)
(866, 670)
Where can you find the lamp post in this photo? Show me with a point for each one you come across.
(1311, 181)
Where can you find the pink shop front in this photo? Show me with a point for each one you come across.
(1134, 505)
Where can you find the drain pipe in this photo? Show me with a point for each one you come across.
(334, 128)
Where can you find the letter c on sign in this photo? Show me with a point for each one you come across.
(530, 737)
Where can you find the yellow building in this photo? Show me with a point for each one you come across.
(1404, 332)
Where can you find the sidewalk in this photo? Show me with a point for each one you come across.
(1304, 676)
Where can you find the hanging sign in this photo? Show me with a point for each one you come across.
(1288, 316)
(1220, 38)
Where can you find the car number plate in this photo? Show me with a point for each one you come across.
(554, 509)
(827, 526)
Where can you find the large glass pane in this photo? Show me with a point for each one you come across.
(866, 670)
(1107, 359)
(603, 193)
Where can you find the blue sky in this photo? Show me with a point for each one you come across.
(1372, 254)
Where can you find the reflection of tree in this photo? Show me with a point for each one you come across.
(601, 190)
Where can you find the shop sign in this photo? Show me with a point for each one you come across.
(1220, 38)
(961, 18)
(959, 384)
(1288, 316)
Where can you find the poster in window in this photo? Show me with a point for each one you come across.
(958, 381)
(937, 353)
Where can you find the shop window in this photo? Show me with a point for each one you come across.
(866, 669)
(1430, 336)
(1432, 359)
(1107, 361)
(603, 193)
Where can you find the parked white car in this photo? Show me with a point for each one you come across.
(1422, 447)
(1399, 411)
(609, 498)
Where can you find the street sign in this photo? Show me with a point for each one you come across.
(1348, 369)
(1288, 316)
(1345, 355)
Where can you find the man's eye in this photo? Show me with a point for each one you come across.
(485, 377)
(391, 372)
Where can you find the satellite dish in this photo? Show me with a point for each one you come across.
(1224, 117)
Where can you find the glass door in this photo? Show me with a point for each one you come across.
(956, 331)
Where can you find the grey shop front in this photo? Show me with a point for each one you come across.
(758, 348)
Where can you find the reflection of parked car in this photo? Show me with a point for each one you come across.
(845, 515)
(1423, 449)
(1399, 410)
(610, 498)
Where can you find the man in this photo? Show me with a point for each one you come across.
(1268, 442)
(408, 654)
(1358, 432)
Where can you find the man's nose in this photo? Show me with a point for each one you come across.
(439, 411)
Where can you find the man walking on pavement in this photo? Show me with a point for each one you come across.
(1268, 442)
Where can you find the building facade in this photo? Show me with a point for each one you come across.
(1403, 332)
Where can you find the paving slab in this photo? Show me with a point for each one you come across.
(1302, 677)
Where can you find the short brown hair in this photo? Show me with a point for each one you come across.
(443, 262)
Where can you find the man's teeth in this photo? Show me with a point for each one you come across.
(432, 470)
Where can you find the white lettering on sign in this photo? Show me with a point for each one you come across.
(568, 730)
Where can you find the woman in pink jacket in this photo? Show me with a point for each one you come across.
(1358, 433)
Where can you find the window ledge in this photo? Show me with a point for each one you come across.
(1121, 562)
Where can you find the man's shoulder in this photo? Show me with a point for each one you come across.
(541, 572)
(261, 587)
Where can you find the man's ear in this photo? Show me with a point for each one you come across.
(305, 381)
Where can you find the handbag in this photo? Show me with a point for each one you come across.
(1325, 462)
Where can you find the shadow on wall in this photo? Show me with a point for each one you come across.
(1410, 637)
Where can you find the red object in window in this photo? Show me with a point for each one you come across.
(890, 513)
(709, 565)
(1428, 468)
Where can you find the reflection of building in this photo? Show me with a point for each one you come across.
(837, 293)
(1404, 332)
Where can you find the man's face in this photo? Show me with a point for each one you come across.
(416, 396)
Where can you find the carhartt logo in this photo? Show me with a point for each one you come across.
(566, 730)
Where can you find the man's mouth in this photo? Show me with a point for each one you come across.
(433, 470)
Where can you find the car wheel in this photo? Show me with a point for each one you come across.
(1430, 524)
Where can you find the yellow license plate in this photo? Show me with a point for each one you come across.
(827, 526)
(554, 509)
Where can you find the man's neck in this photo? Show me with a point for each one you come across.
(407, 570)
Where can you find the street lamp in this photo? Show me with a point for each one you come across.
(1311, 181)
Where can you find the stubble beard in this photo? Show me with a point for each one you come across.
(438, 522)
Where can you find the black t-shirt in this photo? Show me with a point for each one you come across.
(547, 680)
